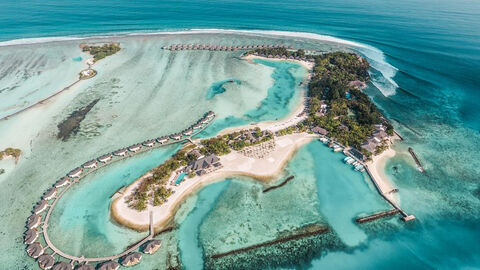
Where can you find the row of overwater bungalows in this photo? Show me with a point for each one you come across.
(47, 261)
(209, 47)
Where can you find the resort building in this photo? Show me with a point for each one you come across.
(131, 259)
(176, 136)
(149, 143)
(50, 194)
(134, 148)
(35, 250)
(34, 221)
(62, 266)
(370, 145)
(40, 207)
(110, 265)
(31, 236)
(210, 114)
(62, 182)
(75, 173)
(46, 261)
(204, 165)
(320, 131)
(162, 140)
(85, 267)
(188, 132)
(90, 164)
(120, 152)
(197, 126)
(105, 158)
(151, 246)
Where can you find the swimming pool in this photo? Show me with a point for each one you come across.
(180, 178)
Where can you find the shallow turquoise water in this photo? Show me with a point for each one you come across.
(219, 87)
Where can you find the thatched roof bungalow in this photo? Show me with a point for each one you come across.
(85, 267)
(151, 246)
(31, 236)
(176, 136)
(149, 143)
(35, 250)
(40, 207)
(188, 132)
(46, 261)
(90, 164)
(62, 266)
(110, 265)
(105, 158)
(120, 152)
(33, 221)
(75, 173)
(197, 126)
(50, 194)
(62, 182)
(134, 148)
(162, 140)
(131, 259)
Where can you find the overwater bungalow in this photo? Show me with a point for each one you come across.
(105, 158)
(50, 194)
(33, 221)
(62, 182)
(162, 140)
(35, 250)
(62, 266)
(134, 148)
(90, 164)
(210, 114)
(151, 246)
(204, 120)
(110, 265)
(46, 261)
(131, 259)
(40, 207)
(31, 236)
(85, 267)
(176, 136)
(75, 172)
(165, 47)
(188, 132)
(149, 143)
(120, 152)
(197, 126)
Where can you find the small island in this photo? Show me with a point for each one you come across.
(10, 152)
(98, 52)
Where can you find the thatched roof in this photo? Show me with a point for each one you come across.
(85, 267)
(131, 259)
(63, 181)
(62, 266)
(33, 221)
(30, 236)
(110, 265)
(46, 261)
(50, 194)
(35, 250)
(40, 207)
(151, 246)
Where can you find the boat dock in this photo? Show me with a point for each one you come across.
(414, 156)
(91, 166)
(377, 216)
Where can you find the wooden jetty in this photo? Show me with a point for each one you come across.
(88, 170)
(414, 156)
(377, 216)
(279, 185)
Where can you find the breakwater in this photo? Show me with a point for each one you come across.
(377, 216)
(279, 185)
(414, 156)
(273, 242)
(34, 222)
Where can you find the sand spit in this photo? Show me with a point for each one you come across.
(234, 165)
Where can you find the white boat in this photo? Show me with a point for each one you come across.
(355, 163)
(351, 161)
(347, 159)
(324, 140)
(359, 167)
(337, 148)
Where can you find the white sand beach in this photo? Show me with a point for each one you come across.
(234, 164)
(305, 64)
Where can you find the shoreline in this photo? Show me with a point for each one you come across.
(305, 64)
(234, 165)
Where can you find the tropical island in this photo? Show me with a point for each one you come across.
(336, 111)
(11, 152)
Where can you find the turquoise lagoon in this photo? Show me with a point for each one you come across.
(434, 108)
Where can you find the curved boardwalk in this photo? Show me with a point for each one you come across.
(209, 116)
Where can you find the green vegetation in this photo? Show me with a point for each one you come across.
(100, 52)
(2, 171)
(13, 152)
(217, 146)
(222, 145)
(278, 51)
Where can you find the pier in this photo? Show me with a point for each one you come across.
(414, 156)
(377, 216)
(92, 166)
(217, 47)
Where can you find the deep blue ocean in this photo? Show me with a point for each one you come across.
(435, 44)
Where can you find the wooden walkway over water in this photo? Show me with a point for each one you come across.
(151, 235)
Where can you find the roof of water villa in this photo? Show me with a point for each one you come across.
(89, 163)
(30, 236)
(46, 261)
(85, 267)
(131, 259)
(120, 152)
(152, 246)
(50, 194)
(62, 266)
(62, 181)
(35, 250)
(40, 207)
(110, 265)
(33, 221)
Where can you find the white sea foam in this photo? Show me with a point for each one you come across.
(375, 56)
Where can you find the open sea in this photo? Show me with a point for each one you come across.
(425, 58)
